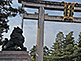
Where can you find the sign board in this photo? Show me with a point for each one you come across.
(68, 11)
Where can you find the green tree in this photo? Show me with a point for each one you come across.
(6, 11)
(79, 48)
(77, 51)
(33, 53)
(68, 47)
(45, 53)
(57, 47)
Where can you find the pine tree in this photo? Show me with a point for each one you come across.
(79, 40)
(46, 51)
(57, 47)
(75, 53)
(33, 53)
(68, 47)
(78, 50)
(79, 46)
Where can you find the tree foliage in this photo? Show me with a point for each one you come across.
(33, 53)
(63, 49)
(77, 51)
(57, 47)
(68, 46)
(6, 11)
(46, 52)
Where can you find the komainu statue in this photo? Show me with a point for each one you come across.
(16, 41)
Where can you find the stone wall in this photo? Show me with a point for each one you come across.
(14, 56)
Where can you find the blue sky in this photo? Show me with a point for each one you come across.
(51, 28)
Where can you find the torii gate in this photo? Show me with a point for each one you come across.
(41, 17)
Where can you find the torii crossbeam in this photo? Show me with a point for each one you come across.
(41, 17)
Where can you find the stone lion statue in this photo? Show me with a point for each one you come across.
(16, 41)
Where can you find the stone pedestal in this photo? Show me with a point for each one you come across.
(14, 56)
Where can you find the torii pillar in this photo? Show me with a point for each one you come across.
(40, 35)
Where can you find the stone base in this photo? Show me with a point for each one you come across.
(14, 56)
